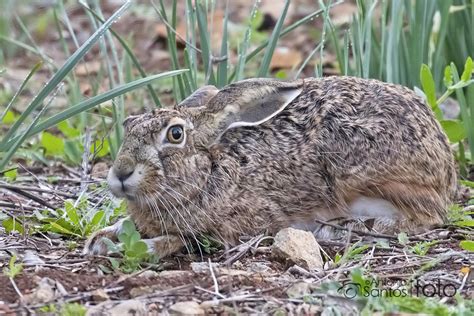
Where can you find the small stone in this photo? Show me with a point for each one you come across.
(129, 307)
(298, 290)
(30, 258)
(100, 170)
(202, 267)
(175, 274)
(100, 295)
(148, 274)
(299, 247)
(43, 293)
(186, 308)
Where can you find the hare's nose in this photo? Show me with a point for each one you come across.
(123, 168)
(123, 177)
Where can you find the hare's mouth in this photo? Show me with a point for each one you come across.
(125, 185)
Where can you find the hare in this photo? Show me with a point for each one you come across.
(261, 155)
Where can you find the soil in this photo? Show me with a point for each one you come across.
(256, 282)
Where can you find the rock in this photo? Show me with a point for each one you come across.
(202, 267)
(43, 293)
(186, 308)
(100, 295)
(298, 290)
(299, 247)
(175, 274)
(100, 169)
(148, 274)
(30, 258)
(129, 307)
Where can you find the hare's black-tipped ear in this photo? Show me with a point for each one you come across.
(200, 97)
(251, 102)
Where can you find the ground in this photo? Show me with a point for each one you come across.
(246, 279)
(428, 273)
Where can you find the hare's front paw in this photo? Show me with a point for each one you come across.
(95, 245)
(163, 246)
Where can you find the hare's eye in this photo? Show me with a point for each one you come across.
(175, 134)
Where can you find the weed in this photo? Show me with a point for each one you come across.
(422, 248)
(354, 252)
(13, 269)
(73, 309)
(133, 250)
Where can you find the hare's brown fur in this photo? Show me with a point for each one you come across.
(340, 139)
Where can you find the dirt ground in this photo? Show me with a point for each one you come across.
(246, 279)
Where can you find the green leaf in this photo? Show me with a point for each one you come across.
(467, 245)
(9, 118)
(11, 175)
(448, 77)
(403, 238)
(71, 212)
(98, 217)
(128, 227)
(140, 247)
(11, 224)
(454, 129)
(61, 226)
(428, 85)
(101, 148)
(67, 130)
(467, 73)
(115, 263)
(134, 238)
(465, 223)
(53, 145)
(111, 246)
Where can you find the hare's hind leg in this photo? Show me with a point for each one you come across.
(418, 206)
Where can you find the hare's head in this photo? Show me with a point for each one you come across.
(165, 157)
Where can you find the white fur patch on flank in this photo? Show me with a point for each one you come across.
(373, 207)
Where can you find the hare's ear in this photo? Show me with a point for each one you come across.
(200, 97)
(251, 102)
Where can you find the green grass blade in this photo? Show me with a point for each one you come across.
(24, 46)
(239, 69)
(132, 56)
(22, 86)
(205, 44)
(222, 67)
(66, 68)
(172, 48)
(95, 101)
(267, 57)
(466, 114)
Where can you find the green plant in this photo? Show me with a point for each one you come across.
(393, 45)
(422, 248)
(132, 248)
(353, 252)
(218, 70)
(13, 269)
(17, 134)
(456, 130)
(73, 309)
